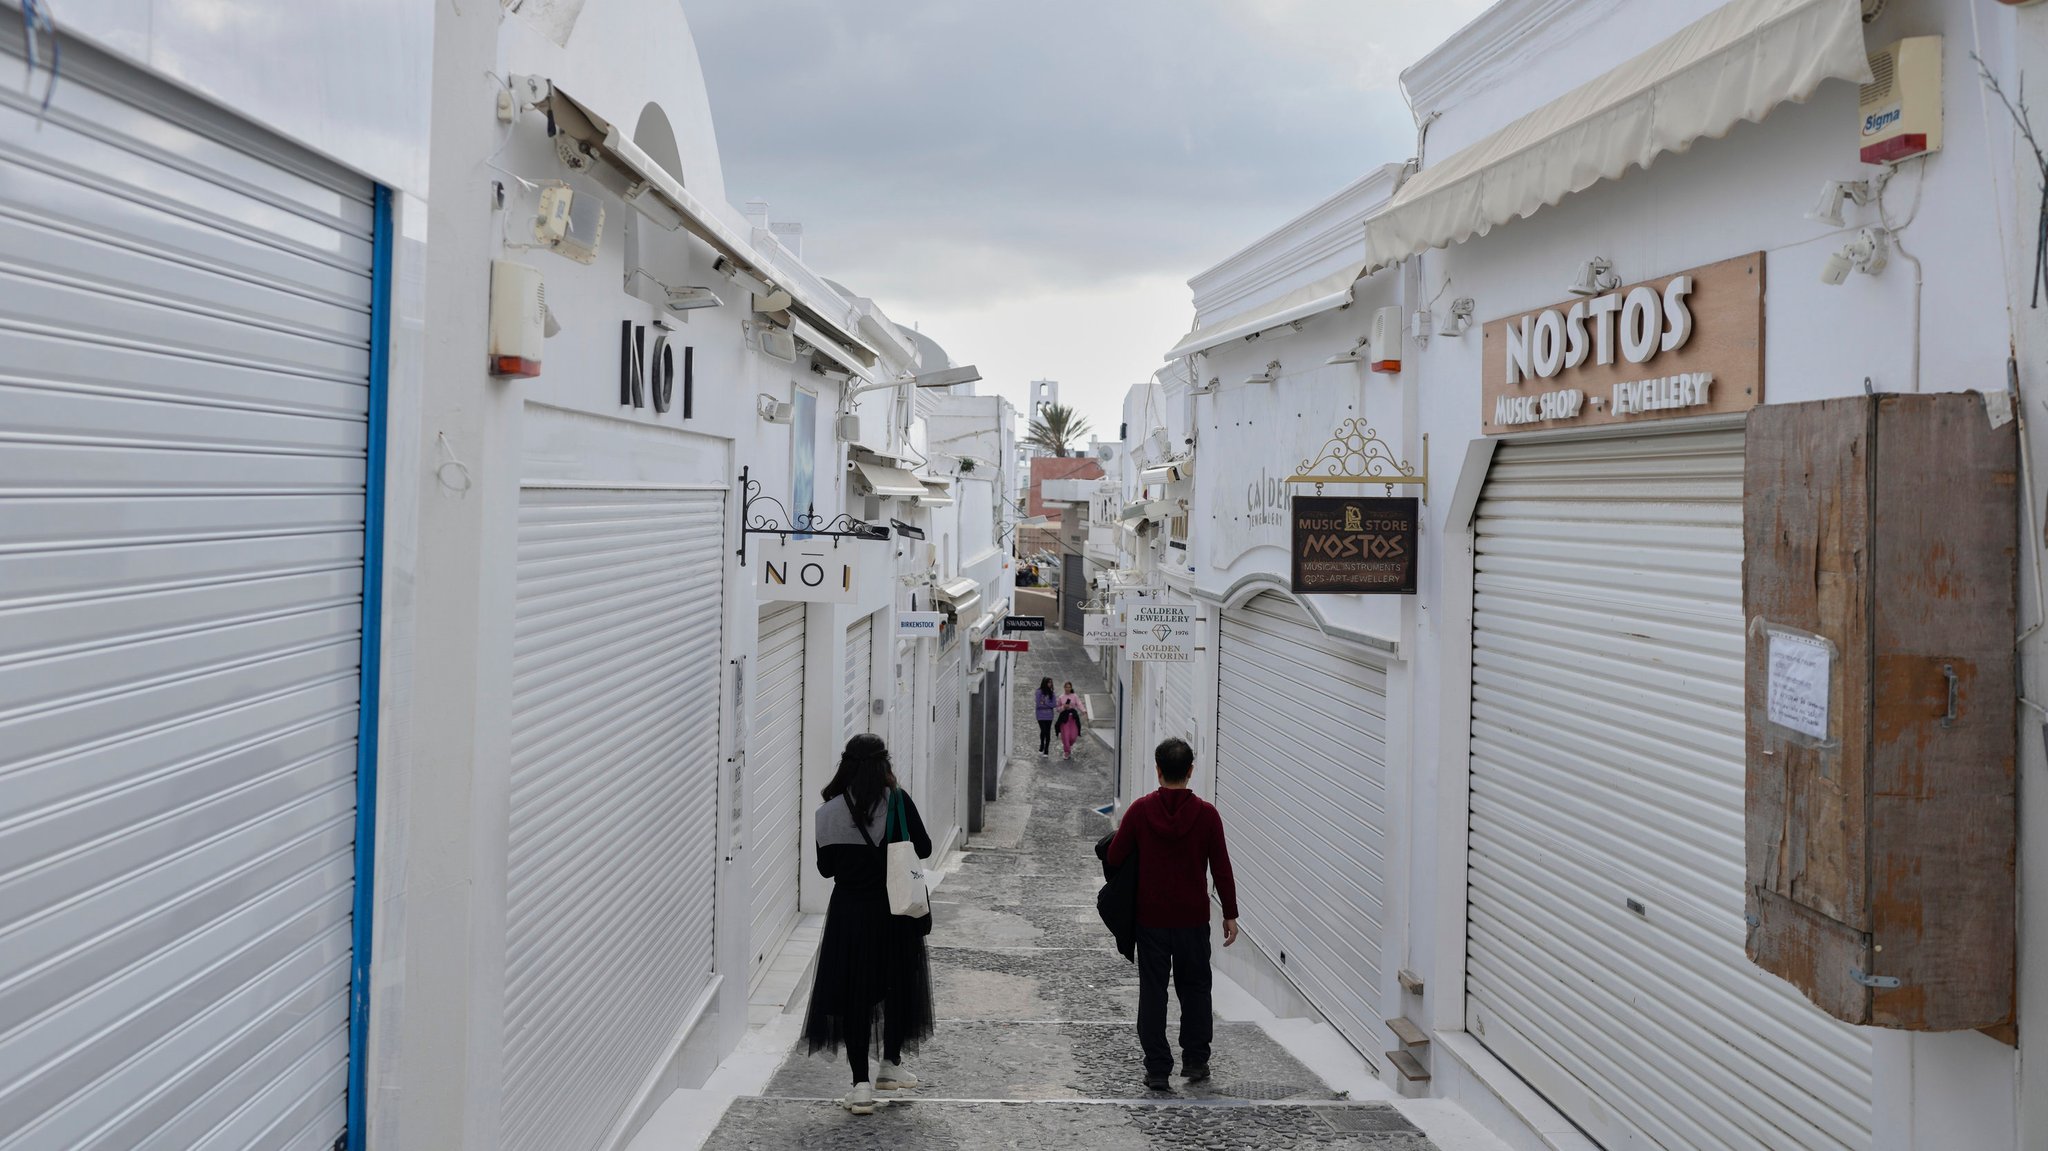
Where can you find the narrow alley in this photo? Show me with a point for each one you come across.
(1035, 1046)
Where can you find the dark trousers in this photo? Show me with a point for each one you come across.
(1045, 737)
(858, 1037)
(1182, 952)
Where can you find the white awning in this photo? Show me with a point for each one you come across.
(883, 480)
(938, 494)
(662, 199)
(1333, 291)
(1735, 64)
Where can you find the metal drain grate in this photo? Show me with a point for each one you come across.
(1262, 1089)
(1359, 1120)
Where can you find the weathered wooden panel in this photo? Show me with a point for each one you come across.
(1811, 952)
(1943, 815)
(1886, 525)
(1806, 522)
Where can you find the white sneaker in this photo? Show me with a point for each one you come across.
(894, 1078)
(860, 1100)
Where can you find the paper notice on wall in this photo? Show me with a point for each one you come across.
(1800, 670)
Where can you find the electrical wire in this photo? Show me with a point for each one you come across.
(36, 20)
(1895, 231)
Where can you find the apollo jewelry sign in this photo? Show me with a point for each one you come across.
(1689, 344)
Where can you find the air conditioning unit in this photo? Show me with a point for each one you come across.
(1385, 340)
(1901, 106)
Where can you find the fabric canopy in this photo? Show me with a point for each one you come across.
(883, 480)
(1332, 291)
(1735, 64)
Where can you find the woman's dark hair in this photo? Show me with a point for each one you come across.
(1045, 685)
(1070, 685)
(865, 772)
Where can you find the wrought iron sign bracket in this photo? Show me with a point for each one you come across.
(1355, 454)
(810, 523)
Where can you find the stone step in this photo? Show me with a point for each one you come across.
(1409, 1066)
(1408, 1033)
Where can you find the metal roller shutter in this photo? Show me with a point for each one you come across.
(1301, 781)
(941, 809)
(613, 846)
(1176, 702)
(860, 672)
(775, 779)
(1605, 958)
(903, 715)
(185, 382)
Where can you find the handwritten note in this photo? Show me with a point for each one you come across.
(1799, 674)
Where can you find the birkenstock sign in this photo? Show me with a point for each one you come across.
(1687, 344)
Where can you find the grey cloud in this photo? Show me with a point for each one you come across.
(933, 146)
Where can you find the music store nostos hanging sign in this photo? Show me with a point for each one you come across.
(1355, 546)
(1684, 345)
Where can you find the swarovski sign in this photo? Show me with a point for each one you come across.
(1688, 343)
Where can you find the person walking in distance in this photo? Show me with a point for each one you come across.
(1073, 712)
(1047, 701)
(1179, 840)
(871, 964)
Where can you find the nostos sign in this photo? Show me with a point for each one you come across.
(1345, 546)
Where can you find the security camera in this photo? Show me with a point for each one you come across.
(1836, 269)
(1867, 253)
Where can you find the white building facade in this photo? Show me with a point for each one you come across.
(1509, 808)
(403, 754)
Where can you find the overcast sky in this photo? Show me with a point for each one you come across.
(1033, 184)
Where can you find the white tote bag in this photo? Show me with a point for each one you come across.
(909, 895)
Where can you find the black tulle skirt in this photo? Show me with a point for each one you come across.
(869, 963)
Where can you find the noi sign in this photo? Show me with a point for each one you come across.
(807, 571)
(1688, 344)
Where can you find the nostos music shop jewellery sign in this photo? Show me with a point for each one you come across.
(1688, 344)
(1355, 546)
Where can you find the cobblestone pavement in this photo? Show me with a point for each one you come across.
(1035, 1045)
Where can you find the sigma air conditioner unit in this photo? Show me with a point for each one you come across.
(1901, 106)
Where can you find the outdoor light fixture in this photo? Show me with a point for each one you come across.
(1828, 209)
(775, 411)
(690, 299)
(1460, 320)
(1271, 374)
(1356, 355)
(942, 378)
(1595, 277)
(946, 377)
(1867, 253)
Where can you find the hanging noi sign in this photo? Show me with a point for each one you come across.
(811, 570)
(1686, 345)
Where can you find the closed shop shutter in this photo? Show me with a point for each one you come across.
(185, 382)
(860, 671)
(941, 809)
(1301, 781)
(613, 841)
(903, 715)
(1177, 700)
(1605, 960)
(775, 779)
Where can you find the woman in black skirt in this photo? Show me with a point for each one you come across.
(871, 964)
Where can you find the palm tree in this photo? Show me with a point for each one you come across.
(1057, 428)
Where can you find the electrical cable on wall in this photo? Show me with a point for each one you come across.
(36, 22)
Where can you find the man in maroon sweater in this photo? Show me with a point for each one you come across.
(1179, 840)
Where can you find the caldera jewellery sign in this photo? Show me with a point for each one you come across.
(1355, 546)
(1161, 633)
(1688, 344)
